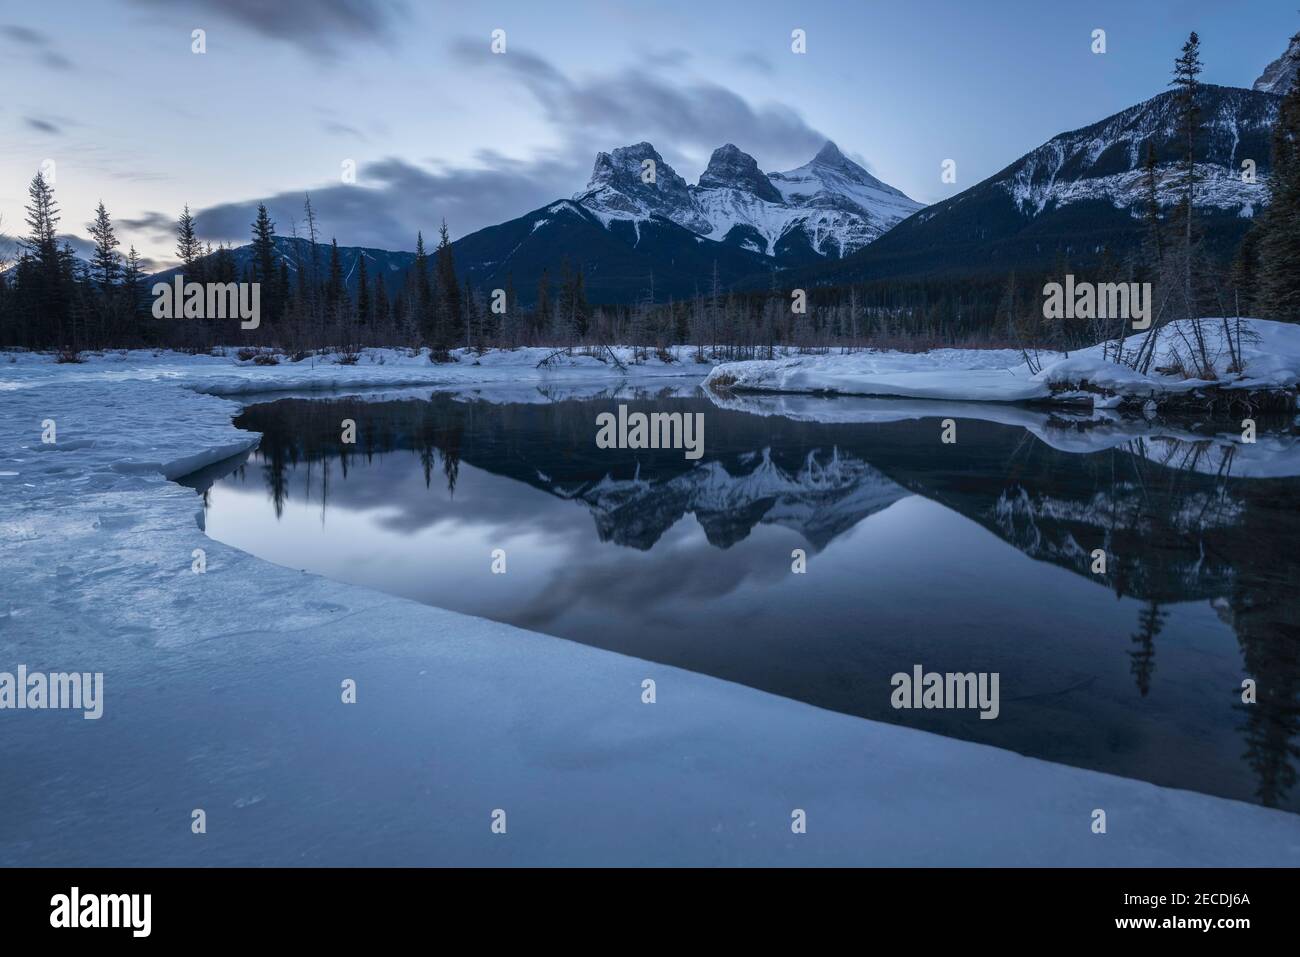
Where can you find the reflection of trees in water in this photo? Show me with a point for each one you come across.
(309, 433)
(1150, 622)
(1193, 507)
(1264, 610)
(1248, 527)
(1176, 524)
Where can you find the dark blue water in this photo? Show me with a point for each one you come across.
(966, 557)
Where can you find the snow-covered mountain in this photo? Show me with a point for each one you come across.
(1105, 161)
(821, 497)
(1084, 192)
(828, 208)
(1279, 76)
(296, 254)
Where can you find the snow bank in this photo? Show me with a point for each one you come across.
(222, 692)
(1270, 350)
(980, 375)
(1069, 429)
(227, 375)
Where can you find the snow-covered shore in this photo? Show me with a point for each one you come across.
(222, 692)
(1270, 350)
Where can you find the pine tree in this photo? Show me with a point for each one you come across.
(188, 247)
(383, 314)
(473, 322)
(564, 310)
(420, 294)
(581, 309)
(509, 325)
(313, 251)
(106, 262)
(281, 291)
(42, 217)
(44, 284)
(542, 311)
(1246, 280)
(450, 307)
(334, 284)
(363, 291)
(1279, 246)
(132, 277)
(1187, 68)
(264, 271)
(1154, 241)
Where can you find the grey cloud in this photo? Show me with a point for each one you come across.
(156, 225)
(82, 247)
(393, 199)
(319, 27)
(343, 129)
(24, 34)
(687, 119)
(42, 47)
(42, 126)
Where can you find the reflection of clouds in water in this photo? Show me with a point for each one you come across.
(392, 486)
(658, 585)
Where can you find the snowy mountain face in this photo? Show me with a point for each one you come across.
(827, 208)
(618, 189)
(1105, 161)
(826, 494)
(1279, 76)
(1082, 195)
(296, 255)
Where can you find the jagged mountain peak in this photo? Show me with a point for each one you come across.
(731, 167)
(626, 162)
(828, 207)
(1279, 76)
(830, 155)
(621, 187)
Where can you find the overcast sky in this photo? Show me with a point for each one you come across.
(438, 126)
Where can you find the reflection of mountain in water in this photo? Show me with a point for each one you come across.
(822, 496)
(1175, 525)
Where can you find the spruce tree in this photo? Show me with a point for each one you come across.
(264, 271)
(1279, 246)
(542, 311)
(1154, 241)
(132, 277)
(106, 262)
(363, 291)
(188, 247)
(1187, 69)
(420, 294)
(46, 284)
(334, 282)
(449, 300)
(381, 309)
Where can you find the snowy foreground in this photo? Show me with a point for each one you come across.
(222, 692)
(1271, 351)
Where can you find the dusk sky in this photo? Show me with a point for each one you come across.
(439, 127)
